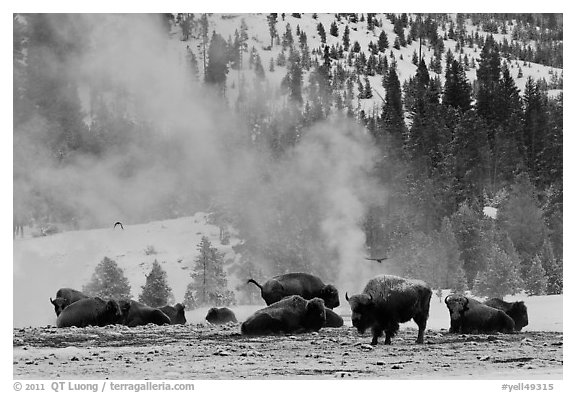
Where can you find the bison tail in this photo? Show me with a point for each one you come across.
(254, 282)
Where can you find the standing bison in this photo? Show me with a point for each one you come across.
(90, 312)
(303, 284)
(293, 314)
(218, 316)
(388, 301)
(175, 313)
(137, 314)
(65, 297)
(516, 310)
(470, 316)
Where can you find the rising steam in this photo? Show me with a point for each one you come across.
(196, 154)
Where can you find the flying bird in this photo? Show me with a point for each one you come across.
(379, 260)
(119, 223)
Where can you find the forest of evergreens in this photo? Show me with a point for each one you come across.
(446, 148)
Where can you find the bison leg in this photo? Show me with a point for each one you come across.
(377, 332)
(421, 322)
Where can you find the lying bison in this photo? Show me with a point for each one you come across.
(303, 284)
(175, 313)
(90, 312)
(470, 316)
(137, 314)
(218, 316)
(333, 320)
(387, 301)
(65, 297)
(516, 310)
(293, 314)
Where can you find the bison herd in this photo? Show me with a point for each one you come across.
(301, 302)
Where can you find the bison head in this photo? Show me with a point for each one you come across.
(112, 314)
(315, 314)
(363, 310)
(59, 304)
(457, 305)
(212, 315)
(330, 295)
(180, 317)
(519, 314)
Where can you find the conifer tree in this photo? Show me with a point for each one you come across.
(521, 217)
(457, 90)
(108, 281)
(536, 282)
(392, 111)
(367, 88)
(500, 278)
(156, 292)
(553, 269)
(334, 29)
(321, 32)
(217, 67)
(272, 20)
(382, 42)
(209, 278)
(346, 38)
(189, 299)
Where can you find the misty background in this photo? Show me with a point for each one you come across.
(172, 147)
(131, 118)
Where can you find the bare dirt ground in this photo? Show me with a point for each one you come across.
(220, 352)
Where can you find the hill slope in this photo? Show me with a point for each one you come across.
(42, 265)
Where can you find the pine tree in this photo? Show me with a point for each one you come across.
(500, 277)
(488, 83)
(392, 111)
(455, 277)
(536, 282)
(467, 227)
(217, 67)
(367, 88)
(209, 278)
(272, 20)
(521, 217)
(457, 90)
(189, 299)
(382, 42)
(156, 292)
(108, 281)
(553, 269)
(346, 38)
(334, 29)
(321, 32)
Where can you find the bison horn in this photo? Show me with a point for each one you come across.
(446, 299)
(371, 298)
(347, 298)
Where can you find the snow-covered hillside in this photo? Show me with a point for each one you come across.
(259, 37)
(42, 265)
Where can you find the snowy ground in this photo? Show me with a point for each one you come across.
(201, 351)
(207, 352)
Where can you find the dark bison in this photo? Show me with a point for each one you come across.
(470, 316)
(136, 314)
(388, 301)
(90, 312)
(65, 297)
(219, 316)
(175, 313)
(516, 310)
(333, 320)
(303, 284)
(293, 314)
